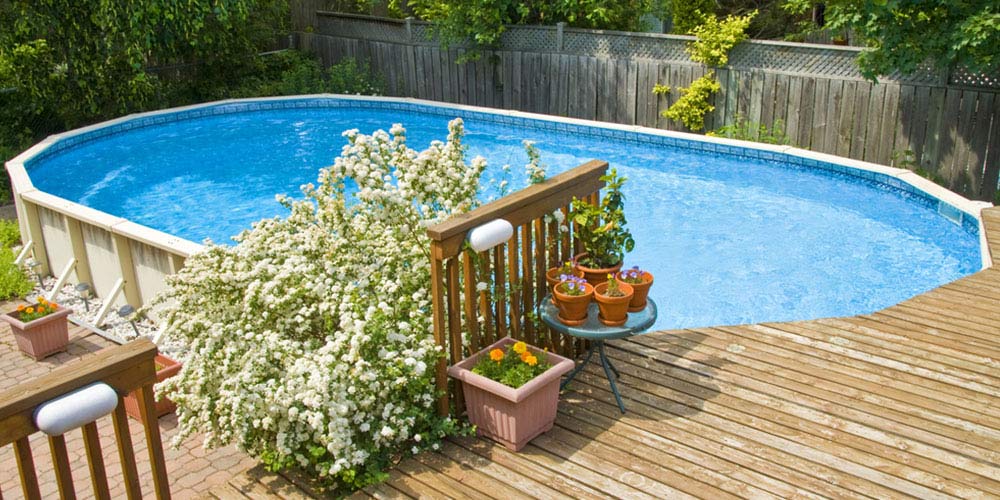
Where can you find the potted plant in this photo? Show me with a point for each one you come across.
(573, 295)
(641, 281)
(40, 329)
(511, 390)
(554, 275)
(165, 368)
(613, 298)
(602, 232)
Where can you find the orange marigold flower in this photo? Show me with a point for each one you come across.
(41, 300)
(30, 310)
(53, 305)
(496, 355)
(532, 360)
(525, 355)
(20, 307)
(520, 347)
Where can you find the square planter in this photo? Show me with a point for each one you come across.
(512, 417)
(168, 368)
(41, 337)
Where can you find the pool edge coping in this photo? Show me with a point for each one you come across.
(21, 183)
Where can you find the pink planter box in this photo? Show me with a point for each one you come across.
(164, 405)
(512, 417)
(41, 337)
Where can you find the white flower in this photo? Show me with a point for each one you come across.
(481, 286)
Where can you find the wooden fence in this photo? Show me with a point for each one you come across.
(468, 317)
(951, 121)
(126, 369)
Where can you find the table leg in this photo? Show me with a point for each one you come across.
(569, 378)
(607, 372)
(610, 364)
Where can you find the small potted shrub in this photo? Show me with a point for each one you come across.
(602, 232)
(165, 368)
(613, 298)
(511, 390)
(554, 275)
(41, 329)
(641, 281)
(573, 295)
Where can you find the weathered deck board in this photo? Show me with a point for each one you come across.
(902, 402)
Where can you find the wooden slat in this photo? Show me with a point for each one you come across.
(95, 461)
(439, 319)
(151, 429)
(60, 464)
(455, 344)
(500, 299)
(126, 454)
(26, 469)
(527, 285)
(514, 280)
(471, 299)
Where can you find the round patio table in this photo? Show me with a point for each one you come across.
(597, 332)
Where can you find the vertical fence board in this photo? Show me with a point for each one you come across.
(846, 109)
(980, 139)
(859, 123)
(918, 127)
(876, 107)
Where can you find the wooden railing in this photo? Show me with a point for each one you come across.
(126, 369)
(467, 317)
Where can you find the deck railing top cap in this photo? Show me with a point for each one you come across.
(496, 209)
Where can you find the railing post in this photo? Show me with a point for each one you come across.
(440, 338)
(560, 26)
(409, 30)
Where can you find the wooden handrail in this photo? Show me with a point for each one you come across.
(468, 317)
(520, 207)
(127, 369)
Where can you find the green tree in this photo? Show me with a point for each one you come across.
(75, 61)
(482, 21)
(904, 34)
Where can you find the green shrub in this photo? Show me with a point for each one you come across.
(10, 233)
(746, 130)
(693, 105)
(716, 38)
(14, 280)
(688, 15)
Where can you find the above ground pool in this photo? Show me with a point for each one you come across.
(733, 235)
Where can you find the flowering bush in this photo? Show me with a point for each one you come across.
(40, 309)
(311, 339)
(513, 368)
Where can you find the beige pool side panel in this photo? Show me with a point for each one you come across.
(106, 248)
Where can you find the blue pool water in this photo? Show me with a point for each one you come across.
(730, 239)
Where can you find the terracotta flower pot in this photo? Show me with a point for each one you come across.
(167, 368)
(512, 417)
(552, 278)
(595, 275)
(641, 291)
(573, 308)
(41, 337)
(614, 310)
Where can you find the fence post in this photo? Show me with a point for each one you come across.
(409, 29)
(559, 36)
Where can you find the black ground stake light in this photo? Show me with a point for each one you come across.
(126, 311)
(83, 289)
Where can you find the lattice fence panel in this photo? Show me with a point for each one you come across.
(364, 29)
(962, 76)
(529, 38)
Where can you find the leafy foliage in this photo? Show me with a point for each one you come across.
(746, 130)
(14, 281)
(481, 22)
(688, 14)
(903, 34)
(602, 230)
(693, 105)
(716, 38)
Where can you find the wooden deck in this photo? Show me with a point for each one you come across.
(903, 402)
